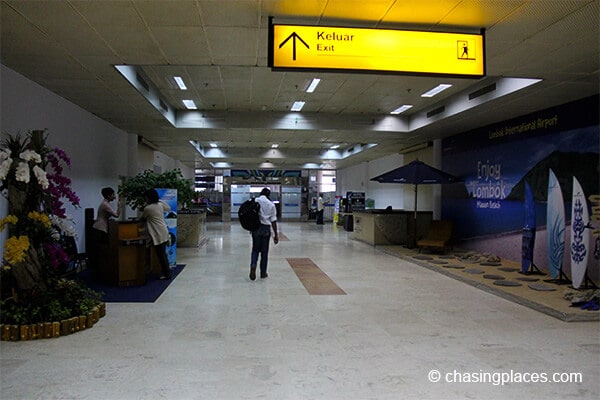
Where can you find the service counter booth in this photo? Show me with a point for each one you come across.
(396, 227)
(125, 257)
(122, 260)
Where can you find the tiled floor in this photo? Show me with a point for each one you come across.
(214, 334)
(485, 276)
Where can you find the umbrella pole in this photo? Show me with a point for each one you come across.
(416, 202)
(413, 242)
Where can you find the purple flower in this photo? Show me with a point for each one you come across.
(56, 255)
(59, 186)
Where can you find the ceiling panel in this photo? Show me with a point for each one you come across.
(232, 46)
(479, 13)
(182, 45)
(220, 48)
(239, 13)
(163, 14)
(356, 10)
(102, 14)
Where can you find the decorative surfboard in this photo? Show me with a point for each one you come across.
(528, 230)
(580, 235)
(555, 222)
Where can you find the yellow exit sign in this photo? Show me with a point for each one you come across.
(361, 49)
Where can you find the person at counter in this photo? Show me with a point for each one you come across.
(156, 227)
(105, 212)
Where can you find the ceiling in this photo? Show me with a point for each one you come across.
(220, 48)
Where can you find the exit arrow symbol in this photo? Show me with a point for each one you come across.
(293, 36)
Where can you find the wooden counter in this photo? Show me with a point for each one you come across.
(378, 227)
(122, 261)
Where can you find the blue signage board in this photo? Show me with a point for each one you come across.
(169, 197)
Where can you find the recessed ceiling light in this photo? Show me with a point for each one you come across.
(297, 106)
(335, 146)
(436, 90)
(190, 105)
(313, 85)
(275, 146)
(401, 109)
(180, 82)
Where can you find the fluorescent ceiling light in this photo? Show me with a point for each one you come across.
(274, 146)
(436, 90)
(401, 109)
(180, 82)
(220, 164)
(313, 85)
(190, 105)
(297, 106)
(335, 146)
(213, 145)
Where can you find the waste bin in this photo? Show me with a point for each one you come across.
(348, 223)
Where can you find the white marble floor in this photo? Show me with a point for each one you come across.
(214, 334)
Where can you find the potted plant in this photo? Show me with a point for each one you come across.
(133, 188)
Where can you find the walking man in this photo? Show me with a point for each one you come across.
(320, 209)
(261, 235)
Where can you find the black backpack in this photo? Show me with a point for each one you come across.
(248, 215)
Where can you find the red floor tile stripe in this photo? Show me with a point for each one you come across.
(315, 281)
(282, 237)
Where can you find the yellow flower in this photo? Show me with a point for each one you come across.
(15, 248)
(10, 219)
(42, 218)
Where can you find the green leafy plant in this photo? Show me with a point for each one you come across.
(67, 298)
(58, 311)
(133, 188)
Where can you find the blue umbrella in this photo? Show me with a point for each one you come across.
(417, 173)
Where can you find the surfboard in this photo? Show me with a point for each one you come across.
(555, 222)
(529, 207)
(580, 235)
(528, 230)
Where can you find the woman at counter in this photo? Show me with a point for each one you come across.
(156, 226)
(105, 212)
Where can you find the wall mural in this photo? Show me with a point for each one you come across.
(496, 162)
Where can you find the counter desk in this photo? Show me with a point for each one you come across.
(382, 227)
(122, 260)
(191, 228)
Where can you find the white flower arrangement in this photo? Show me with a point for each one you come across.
(30, 155)
(41, 177)
(23, 172)
(65, 226)
(5, 167)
